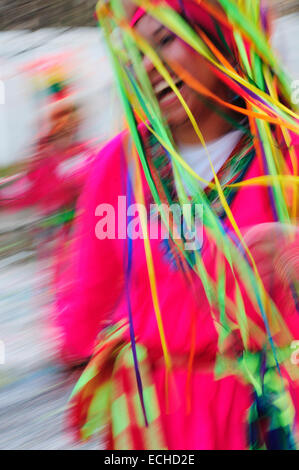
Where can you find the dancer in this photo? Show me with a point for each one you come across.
(190, 333)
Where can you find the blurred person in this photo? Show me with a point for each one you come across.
(52, 179)
(189, 349)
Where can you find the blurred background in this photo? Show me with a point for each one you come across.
(56, 98)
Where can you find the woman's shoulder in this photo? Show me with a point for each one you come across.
(112, 150)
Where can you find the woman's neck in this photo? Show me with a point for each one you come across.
(212, 126)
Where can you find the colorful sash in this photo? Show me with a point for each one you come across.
(106, 396)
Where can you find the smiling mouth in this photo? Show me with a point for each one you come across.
(164, 92)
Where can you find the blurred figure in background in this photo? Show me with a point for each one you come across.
(51, 180)
(179, 329)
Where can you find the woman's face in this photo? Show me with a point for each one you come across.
(172, 49)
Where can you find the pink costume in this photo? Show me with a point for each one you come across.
(97, 297)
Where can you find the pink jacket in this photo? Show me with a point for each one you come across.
(96, 296)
